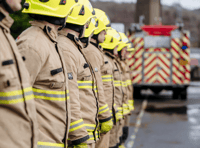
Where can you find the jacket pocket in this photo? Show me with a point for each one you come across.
(109, 71)
(52, 85)
(8, 74)
(116, 74)
(85, 74)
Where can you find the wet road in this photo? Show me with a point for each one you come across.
(168, 123)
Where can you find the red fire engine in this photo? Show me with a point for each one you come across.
(161, 60)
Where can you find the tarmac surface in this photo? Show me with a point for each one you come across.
(167, 123)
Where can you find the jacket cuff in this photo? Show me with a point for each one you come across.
(104, 120)
(81, 140)
(116, 146)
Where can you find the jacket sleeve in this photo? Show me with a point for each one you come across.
(118, 91)
(130, 91)
(104, 112)
(108, 84)
(125, 93)
(77, 132)
(33, 61)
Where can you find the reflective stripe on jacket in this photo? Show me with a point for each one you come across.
(82, 89)
(45, 63)
(17, 107)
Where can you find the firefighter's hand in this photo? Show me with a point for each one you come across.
(81, 145)
(106, 126)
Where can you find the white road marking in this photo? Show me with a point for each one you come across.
(137, 126)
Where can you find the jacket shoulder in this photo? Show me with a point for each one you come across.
(69, 49)
(35, 39)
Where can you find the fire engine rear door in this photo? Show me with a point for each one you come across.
(157, 68)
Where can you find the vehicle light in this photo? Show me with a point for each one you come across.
(184, 47)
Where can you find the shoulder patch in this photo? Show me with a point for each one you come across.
(96, 69)
(70, 76)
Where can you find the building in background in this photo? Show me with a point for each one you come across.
(151, 9)
(119, 27)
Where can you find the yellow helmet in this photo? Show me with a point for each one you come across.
(112, 39)
(103, 21)
(55, 8)
(88, 4)
(80, 15)
(92, 24)
(91, 27)
(130, 47)
(124, 41)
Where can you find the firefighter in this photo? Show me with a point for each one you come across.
(82, 84)
(17, 107)
(107, 77)
(127, 85)
(45, 63)
(94, 54)
(110, 46)
(124, 56)
(128, 53)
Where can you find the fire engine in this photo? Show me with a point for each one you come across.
(161, 59)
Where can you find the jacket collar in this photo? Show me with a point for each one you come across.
(51, 32)
(5, 20)
(97, 46)
(73, 38)
(109, 54)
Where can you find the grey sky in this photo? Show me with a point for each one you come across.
(188, 4)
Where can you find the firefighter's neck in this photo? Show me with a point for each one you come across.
(67, 30)
(93, 41)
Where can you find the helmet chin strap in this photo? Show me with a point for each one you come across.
(6, 6)
(63, 26)
(85, 40)
(76, 28)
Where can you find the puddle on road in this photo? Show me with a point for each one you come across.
(167, 110)
(193, 113)
(179, 117)
(189, 113)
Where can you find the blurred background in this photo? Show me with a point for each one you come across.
(166, 122)
(126, 12)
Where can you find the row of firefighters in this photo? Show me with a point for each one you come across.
(64, 82)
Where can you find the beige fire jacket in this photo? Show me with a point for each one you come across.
(117, 76)
(45, 63)
(96, 59)
(17, 107)
(82, 87)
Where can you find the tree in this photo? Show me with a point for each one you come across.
(21, 22)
